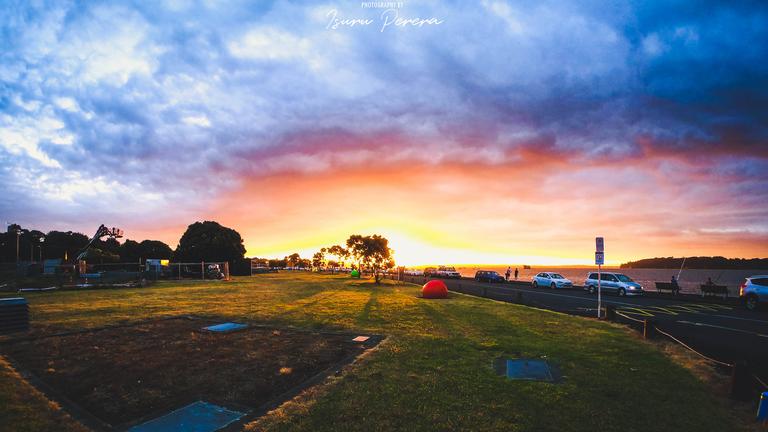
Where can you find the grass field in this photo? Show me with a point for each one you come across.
(434, 372)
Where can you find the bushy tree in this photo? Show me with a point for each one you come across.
(98, 255)
(318, 259)
(371, 252)
(132, 251)
(293, 260)
(209, 241)
(59, 244)
(339, 252)
(155, 249)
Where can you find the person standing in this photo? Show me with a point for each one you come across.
(675, 286)
(517, 272)
(509, 272)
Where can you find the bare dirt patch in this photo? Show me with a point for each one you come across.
(125, 374)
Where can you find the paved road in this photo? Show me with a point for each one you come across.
(723, 331)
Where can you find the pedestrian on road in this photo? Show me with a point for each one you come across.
(509, 272)
(517, 272)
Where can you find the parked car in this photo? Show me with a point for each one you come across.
(430, 271)
(488, 276)
(618, 283)
(551, 280)
(448, 273)
(754, 291)
(413, 272)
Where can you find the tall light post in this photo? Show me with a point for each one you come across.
(18, 235)
(42, 240)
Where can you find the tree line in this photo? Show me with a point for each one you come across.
(701, 262)
(202, 241)
(367, 253)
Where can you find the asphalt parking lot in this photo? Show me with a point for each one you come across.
(722, 330)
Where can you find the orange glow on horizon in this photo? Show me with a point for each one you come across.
(453, 214)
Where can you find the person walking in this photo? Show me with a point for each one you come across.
(509, 272)
(517, 272)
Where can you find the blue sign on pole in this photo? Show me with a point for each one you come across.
(599, 258)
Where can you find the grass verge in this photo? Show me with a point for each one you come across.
(435, 371)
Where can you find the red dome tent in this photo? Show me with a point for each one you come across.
(434, 289)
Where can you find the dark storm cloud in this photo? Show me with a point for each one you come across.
(192, 95)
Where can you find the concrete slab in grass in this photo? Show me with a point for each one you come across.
(196, 417)
(525, 369)
(226, 327)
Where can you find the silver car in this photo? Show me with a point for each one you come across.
(551, 280)
(754, 291)
(618, 283)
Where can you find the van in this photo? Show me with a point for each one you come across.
(617, 283)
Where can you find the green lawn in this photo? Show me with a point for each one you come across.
(435, 370)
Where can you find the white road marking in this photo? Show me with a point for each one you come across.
(589, 299)
(741, 319)
(594, 300)
(723, 328)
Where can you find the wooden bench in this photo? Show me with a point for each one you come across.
(714, 290)
(667, 286)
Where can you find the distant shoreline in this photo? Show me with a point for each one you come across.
(698, 263)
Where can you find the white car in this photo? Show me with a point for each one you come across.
(414, 272)
(448, 273)
(754, 291)
(551, 280)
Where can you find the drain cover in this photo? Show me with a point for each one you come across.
(524, 369)
(361, 339)
(196, 417)
(226, 327)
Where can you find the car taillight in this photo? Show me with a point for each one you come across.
(741, 288)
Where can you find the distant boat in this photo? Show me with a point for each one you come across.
(526, 267)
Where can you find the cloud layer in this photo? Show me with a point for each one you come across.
(153, 115)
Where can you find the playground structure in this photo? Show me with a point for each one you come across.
(155, 269)
(152, 269)
(102, 231)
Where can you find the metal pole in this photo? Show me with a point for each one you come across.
(202, 268)
(599, 295)
(18, 234)
(681, 270)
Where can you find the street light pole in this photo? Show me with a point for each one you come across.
(18, 234)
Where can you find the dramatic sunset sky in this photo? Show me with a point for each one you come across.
(501, 132)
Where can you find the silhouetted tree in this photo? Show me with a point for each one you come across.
(156, 249)
(339, 252)
(318, 259)
(130, 251)
(59, 244)
(372, 252)
(209, 241)
(293, 260)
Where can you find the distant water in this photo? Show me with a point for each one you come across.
(690, 279)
